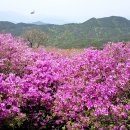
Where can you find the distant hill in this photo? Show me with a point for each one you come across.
(93, 32)
(38, 23)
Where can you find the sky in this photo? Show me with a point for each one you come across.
(61, 11)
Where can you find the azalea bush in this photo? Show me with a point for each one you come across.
(96, 93)
(41, 89)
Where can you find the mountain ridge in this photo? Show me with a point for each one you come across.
(39, 23)
(93, 32)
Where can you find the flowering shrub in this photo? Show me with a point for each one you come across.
(28, 83)
(48, 90)
(97, 90)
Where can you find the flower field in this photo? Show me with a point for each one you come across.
(44, 90)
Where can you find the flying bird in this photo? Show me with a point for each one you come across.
(33, 12)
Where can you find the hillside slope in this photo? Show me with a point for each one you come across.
(93, 32)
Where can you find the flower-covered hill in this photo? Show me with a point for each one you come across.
(51, 90)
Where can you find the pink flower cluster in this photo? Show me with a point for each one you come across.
(39, 89)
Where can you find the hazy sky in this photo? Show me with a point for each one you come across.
(61, 11)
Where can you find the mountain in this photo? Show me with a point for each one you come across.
(93, 32)
(38, 23)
